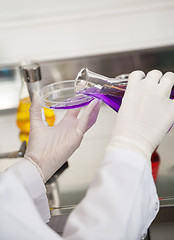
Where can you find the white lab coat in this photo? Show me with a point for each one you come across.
(120, 204)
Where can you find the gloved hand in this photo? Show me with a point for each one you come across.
(50, 147)
(146, 113)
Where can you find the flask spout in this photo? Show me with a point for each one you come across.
(88, 79)
(108, 90)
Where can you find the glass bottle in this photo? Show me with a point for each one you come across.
(31, 82)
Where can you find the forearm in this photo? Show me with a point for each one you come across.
(19, 216)
(29, 176)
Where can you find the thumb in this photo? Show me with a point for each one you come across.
(89, 116)
(35, 112)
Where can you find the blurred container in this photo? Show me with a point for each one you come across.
(155, 163)
(31, 82)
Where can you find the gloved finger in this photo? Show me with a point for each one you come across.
(35, 112)
(135, 76)
(73, 112)
(89, 116)
(166, 83)
(154, 76)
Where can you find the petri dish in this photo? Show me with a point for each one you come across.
(61, 95)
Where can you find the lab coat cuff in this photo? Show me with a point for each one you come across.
(123, 142)
(29, 175)
(119, 154)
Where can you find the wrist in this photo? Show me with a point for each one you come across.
(28, 174)
(38, 168)
(124, 142)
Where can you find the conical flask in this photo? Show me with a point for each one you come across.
(109, 90)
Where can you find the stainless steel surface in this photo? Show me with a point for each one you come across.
(111, 65)
(57, 223)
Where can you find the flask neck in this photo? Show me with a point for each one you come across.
(87, 80)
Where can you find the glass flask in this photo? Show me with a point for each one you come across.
(31, 82)
(108, 90)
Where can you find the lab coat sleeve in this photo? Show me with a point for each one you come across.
(19, 217)
(33, 183)
(121, 202)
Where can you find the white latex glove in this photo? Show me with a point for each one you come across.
(50, 147)
(146, 113)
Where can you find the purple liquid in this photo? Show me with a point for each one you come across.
(73, 106)
(113, 101)
(77, 101)
(109, 95)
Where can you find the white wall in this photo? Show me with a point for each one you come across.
(55, 29)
